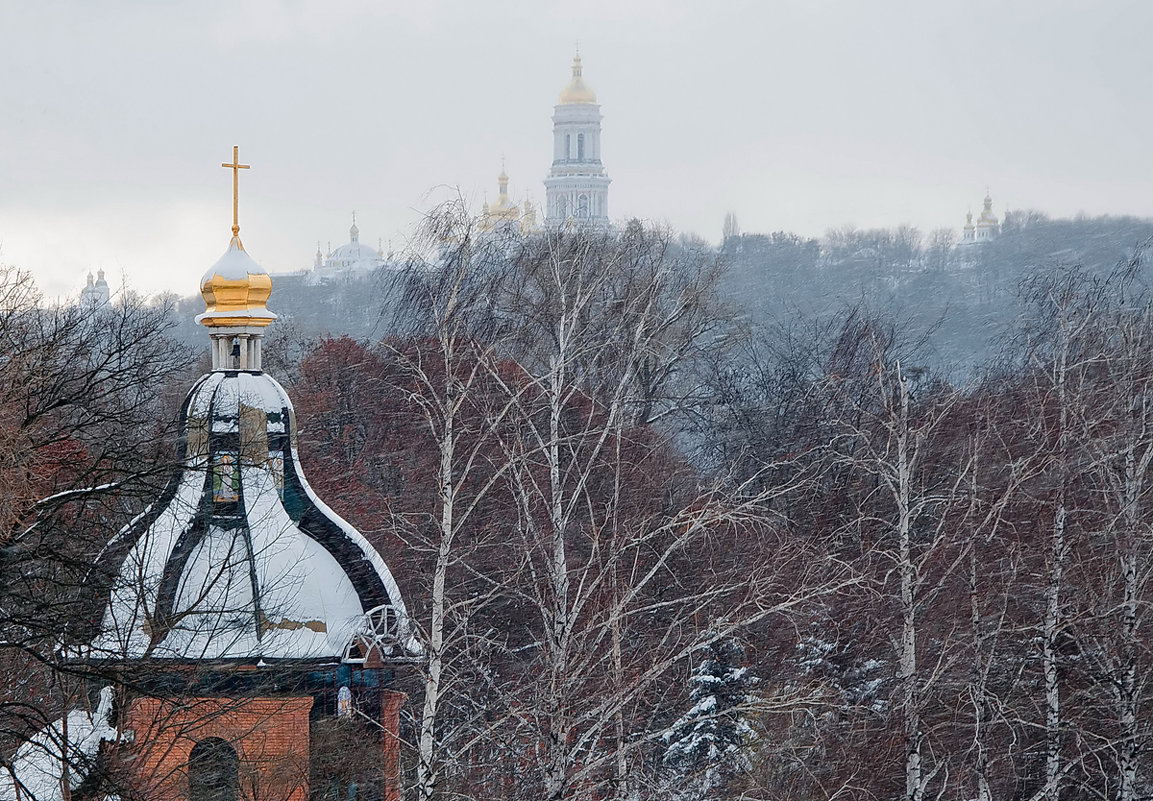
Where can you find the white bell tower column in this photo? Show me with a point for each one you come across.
(577, 186)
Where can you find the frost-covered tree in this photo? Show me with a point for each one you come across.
(705, 746)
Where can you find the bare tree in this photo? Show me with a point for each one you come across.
(607, 515)
(446, 374)
(1059, 354)
(1113, 428)
(87, 436)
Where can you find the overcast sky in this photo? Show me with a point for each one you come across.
(796, 116)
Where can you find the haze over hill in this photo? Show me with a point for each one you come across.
(963, 298)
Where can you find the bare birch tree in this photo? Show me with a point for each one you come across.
(892, 440)
(605, 516)
(447, 374)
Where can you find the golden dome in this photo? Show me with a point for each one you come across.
(577, 90)
(235, 291)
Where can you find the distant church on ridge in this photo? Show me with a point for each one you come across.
(986, 228)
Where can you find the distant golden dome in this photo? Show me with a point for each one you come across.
(577, 90)
(235, 291)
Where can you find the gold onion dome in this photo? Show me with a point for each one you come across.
(236, 288)
(236, 291)
(577, 91)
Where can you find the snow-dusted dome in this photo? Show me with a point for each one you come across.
(356, 255)
(235, 290)
(239, 559)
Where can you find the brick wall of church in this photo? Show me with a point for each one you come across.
(270, 735)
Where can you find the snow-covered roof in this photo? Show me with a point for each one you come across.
(354, 255)
(239, 559)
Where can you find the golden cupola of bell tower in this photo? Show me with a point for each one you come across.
(236, 291)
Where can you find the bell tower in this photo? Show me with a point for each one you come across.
(576, 188)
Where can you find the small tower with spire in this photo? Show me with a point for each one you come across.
(503, 214)
(235, 292)
(244, 609)
(967, 232)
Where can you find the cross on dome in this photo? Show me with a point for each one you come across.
(236, 167)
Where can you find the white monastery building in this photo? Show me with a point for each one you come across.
(577, 186)
(986, 228)
(96, 293)
(353, 259)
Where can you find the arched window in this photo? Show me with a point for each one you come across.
(583, 206)
(213, 771)
(580, 147)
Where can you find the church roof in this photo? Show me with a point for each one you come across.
(240, 559)
(354, 254)
(60, 754)
(235, 290)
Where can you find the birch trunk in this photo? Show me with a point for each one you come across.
(558, 616)
(1126, 685)
(910, 698)
(1056, 556)
(428, 767)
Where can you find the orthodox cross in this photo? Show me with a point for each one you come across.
(236, 167)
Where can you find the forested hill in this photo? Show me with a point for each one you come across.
(964, 296)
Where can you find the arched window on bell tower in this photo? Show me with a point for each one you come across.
(213, 771)
(580, 147)
(583, 207)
